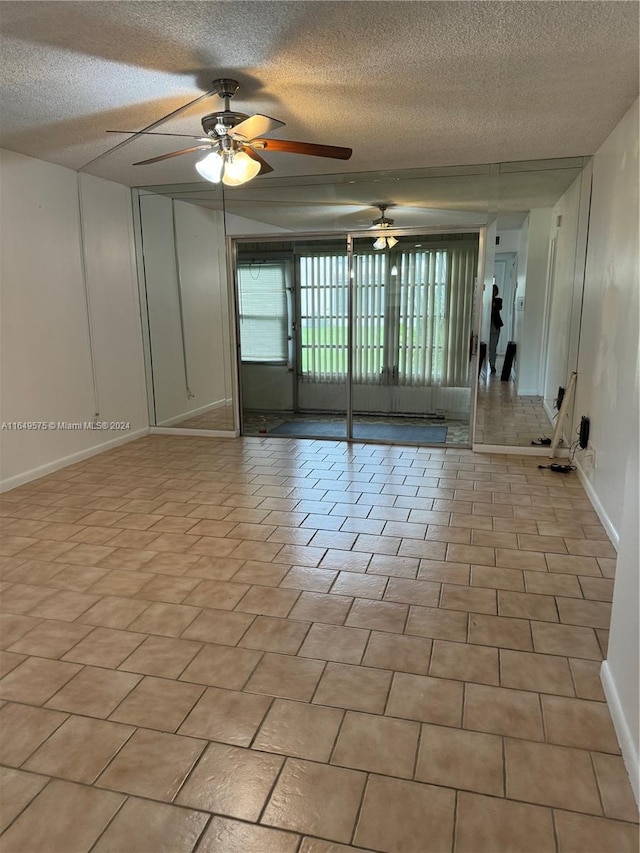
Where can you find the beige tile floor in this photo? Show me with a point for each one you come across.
(279, 646)
(504, 417)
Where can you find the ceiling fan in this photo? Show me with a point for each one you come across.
(232, 141)
(383, 242)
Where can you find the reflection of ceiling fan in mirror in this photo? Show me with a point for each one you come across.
(233, 140)
(383, 241)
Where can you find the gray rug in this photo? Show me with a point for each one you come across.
(380, 432)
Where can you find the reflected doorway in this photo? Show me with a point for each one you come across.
(341, 340)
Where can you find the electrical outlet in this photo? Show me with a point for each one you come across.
(588, 459)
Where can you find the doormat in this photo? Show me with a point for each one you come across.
(381, 432)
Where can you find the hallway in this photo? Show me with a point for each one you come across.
(287, 646)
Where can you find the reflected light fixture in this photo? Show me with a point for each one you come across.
(232, 167)
(382, 241)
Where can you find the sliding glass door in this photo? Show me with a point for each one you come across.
(359, 341)
(412, 325)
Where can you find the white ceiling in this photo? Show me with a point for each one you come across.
(405, 84)
(409, 86)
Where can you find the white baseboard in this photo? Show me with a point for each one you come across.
(208, 433)
(612, 533)
(625, 739)
(57, 464)
(506, 450)
(217, 404)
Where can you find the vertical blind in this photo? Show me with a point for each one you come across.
(412, 317)
(263, 315)
(324, 318)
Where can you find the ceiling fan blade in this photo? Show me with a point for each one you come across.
(253, 126)
(290, 147)
(263, 163)
(154, 133)
(172, 154)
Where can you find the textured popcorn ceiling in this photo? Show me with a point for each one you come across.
(405, 84)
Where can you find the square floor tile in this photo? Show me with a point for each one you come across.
(268, 601)
(398, 816)
(222, 666)
(489, 824)
(509, 712)
(615, 787)
(286, 676)
(362, 585)
(464, 662)
(471, 599)
(36, 679)
(407, 591)
(79, 750)
(529, 671)
(17, 789)
(357, 688)
(500, 631)
(232, 781)
(271, 634)
(13, 626)
(93, 691)
(22, 730)
(432, 700)
(50, 639)
(310, 579)
(162, 656)
(152, 764)
(525, 605)
(578, 833)
(586, 678)
(551, 775)
(439, 624)
(321, 607)
(156, 703)
(218, 626)
(227, 716)
(378, 615)
(299, 730)
(63, 816)
(143, 825)
(460, 759)
(104, 647)
(578, 722)
(331, 642)
(377, 744)
(566, 640)
(220, 594)
(168, 620)
(224, 834)
(316, 799)
(394, 652)
(114, 612)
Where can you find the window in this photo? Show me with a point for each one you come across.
(262, 303)
(412, 317)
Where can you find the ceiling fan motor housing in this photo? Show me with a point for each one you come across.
(219, 124)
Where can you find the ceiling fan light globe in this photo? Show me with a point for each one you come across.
(210, 167)
(391, 242)
(239, 168)
(380, 243)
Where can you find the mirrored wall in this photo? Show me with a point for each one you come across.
(366, 338)
(534, 215)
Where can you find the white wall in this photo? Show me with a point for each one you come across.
(532, 325)
(46, 372)
(607, 391)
